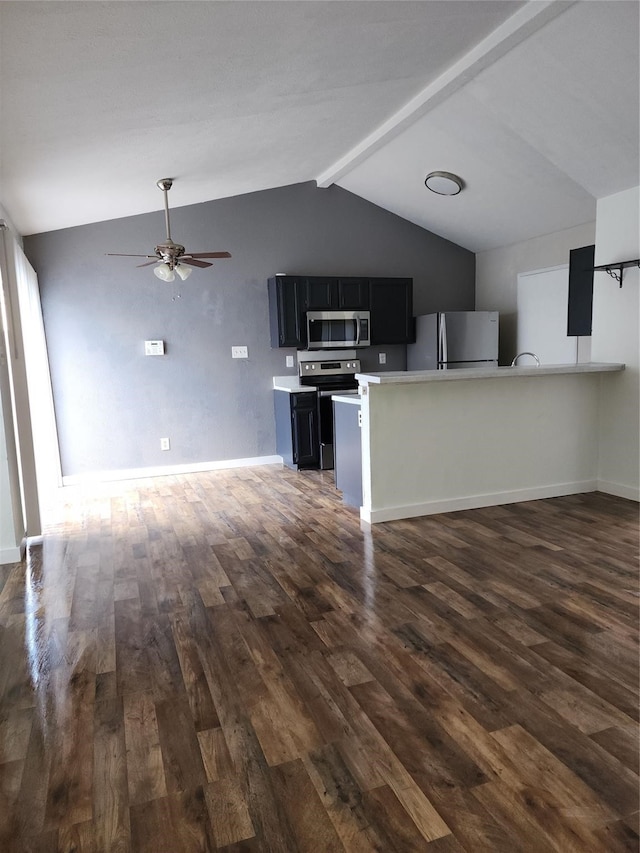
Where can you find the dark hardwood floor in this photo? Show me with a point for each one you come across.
(228, 662)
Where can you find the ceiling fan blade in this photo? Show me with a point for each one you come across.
(121, 255)
(193, 262)
(148, 263)
(207, 255)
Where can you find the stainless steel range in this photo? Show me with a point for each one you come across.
(330, 376)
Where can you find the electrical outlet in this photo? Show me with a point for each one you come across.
(289, 361)
(382, 358)
(239, 352)
(165, 444)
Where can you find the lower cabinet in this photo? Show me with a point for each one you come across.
(297, 435)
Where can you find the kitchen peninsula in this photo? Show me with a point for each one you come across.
(437, 441)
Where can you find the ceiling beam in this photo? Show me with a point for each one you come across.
(522, 24)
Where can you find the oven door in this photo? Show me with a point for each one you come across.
(337, 329)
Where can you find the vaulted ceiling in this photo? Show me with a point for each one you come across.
(534, 104)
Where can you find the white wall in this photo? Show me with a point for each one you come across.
(497, 275)
(615, 338)
(440, 446)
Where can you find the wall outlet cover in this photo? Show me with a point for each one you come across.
(165, 444)
(382, 358)
(289, 361)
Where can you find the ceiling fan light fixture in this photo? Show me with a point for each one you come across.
(164, 272)
(444, 183)
(183, 271)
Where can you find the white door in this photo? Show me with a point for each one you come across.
(543, 297)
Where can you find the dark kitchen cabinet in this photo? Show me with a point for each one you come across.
(391, 305)
(353, 294)
(297, 434)
(320, 294)
(335, 294)
(390, 301)
(580, 305)
(286, 312)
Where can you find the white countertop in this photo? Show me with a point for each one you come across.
(291, 384)
(412, 376)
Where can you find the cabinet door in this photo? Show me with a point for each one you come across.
(321, 294)
(580, 309)
(391, 305)
(285, 312)
(353, 293)
(304, 429)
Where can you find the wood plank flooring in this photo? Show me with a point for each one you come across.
(229, 662)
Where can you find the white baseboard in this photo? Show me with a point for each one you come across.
(476, 501)
(168, 470)
(10, 555)
(619, 490)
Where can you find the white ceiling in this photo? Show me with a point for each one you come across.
(534, 104)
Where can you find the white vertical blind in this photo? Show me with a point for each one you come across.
(43, 422)
(29, 391)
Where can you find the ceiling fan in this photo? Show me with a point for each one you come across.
(171, 257)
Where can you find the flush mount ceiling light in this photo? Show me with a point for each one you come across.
(443, 183)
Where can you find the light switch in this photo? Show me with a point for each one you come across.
(239, 352)
(154, 347)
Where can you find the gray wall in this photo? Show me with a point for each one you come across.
(113, 404)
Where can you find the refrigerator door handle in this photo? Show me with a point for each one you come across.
(442, 344)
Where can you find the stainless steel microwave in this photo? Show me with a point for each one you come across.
(338, 329)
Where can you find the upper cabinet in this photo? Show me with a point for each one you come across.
(353, 293)
(325, 294)
(390, 301)
(286, 312)
(391, 305)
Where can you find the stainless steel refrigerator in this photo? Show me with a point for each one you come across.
(454, 339)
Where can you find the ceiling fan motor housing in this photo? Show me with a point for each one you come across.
(170, 252)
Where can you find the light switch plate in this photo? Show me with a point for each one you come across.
(154, 347)
(382, 358)
(289, 361)
(239, 352)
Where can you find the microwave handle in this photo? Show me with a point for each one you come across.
(358, 320)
